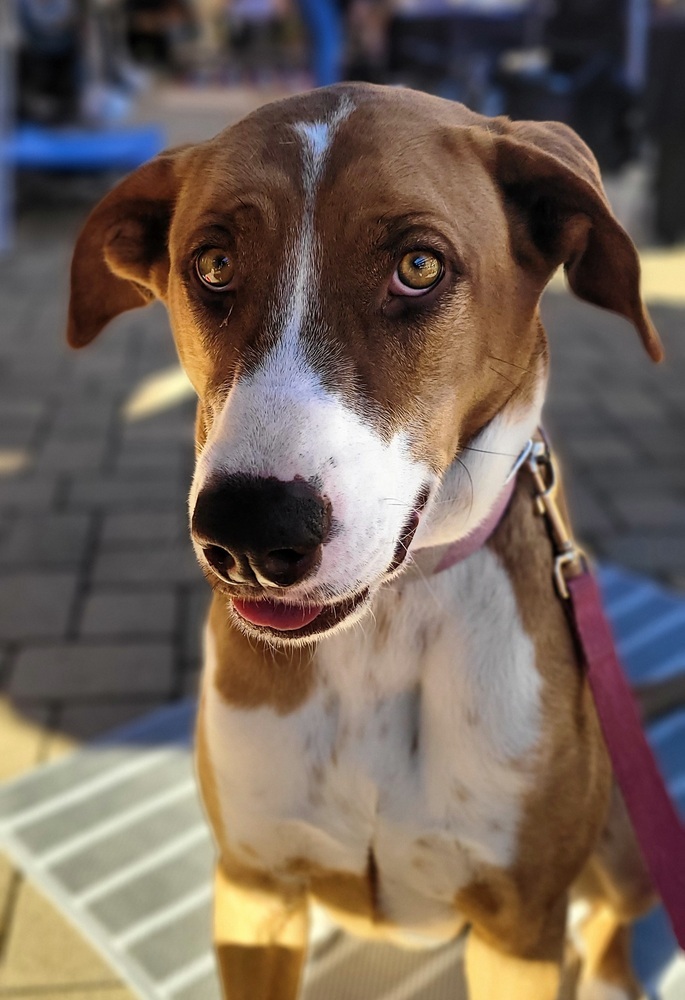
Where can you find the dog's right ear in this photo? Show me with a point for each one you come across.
(121, 259)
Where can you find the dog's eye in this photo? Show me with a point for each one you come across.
(416, 273)
(214, 267)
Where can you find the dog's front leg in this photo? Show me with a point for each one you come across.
(491, 974)
(260, 936)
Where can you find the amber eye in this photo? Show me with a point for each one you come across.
(417, 272)
(215, 267)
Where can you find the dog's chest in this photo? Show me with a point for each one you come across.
(409, 749)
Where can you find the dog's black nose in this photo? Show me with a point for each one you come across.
(257, 530)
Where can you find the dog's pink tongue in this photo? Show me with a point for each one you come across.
(276, 614)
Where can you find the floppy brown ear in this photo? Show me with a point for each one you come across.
(549, 174)
(121, 259)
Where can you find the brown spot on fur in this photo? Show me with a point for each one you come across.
(373, 879)
(472, 717)
(382, 626)
(423, 640)
(461, 791)
(248, 850)
(317, 773)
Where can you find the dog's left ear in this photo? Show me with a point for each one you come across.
(121, 259)
(549, 175)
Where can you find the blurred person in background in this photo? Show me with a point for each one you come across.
(49, 60)
(256, 29)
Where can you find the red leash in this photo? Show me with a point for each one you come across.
(659, 831)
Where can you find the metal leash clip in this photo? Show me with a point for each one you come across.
(570, 560)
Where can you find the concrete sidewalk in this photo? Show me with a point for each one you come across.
(100, 596)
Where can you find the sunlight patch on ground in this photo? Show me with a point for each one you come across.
(13, 460)
(158, 392)
(663, 276)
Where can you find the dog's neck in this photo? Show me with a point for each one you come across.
(474, 483)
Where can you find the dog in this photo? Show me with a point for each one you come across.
(353, 278)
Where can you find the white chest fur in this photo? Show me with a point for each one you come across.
(406, 747)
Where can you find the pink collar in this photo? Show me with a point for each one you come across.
(464, 547)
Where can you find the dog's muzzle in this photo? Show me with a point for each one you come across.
(261, 532)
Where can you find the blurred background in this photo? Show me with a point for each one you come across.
(101, 601)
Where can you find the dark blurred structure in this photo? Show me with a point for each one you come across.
(48, 60)
(566, 60)
(613, 70)
(665, 120)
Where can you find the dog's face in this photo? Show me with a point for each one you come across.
(352, 278)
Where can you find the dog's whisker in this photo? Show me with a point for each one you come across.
(513, 364)
(486, 451)
(502, 375)
(470, 479)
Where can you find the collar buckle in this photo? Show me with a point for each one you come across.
(570, 560)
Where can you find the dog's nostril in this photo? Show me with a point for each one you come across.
(285, 567)
(285, 557)
(219, 559)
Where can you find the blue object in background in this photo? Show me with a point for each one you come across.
(122, 148)
(324, 23)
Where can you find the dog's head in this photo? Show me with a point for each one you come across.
(352, 278)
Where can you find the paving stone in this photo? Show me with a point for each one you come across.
(589, 515)
(651, 511)
(20, 409)
(166, 459)
(161, 566)
(126, 530)
(85, 670)
(74, 455)
(35, 605)
(17, 434)
(600, 449)
(32, 492)
(124, 491)
(87, 721)
(126, 615)
(634, 404)
(196, 607)
(657, 553)
(46, 540)
(192, 680)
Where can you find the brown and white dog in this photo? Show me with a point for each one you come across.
(353, 278)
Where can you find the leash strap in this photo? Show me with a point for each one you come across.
(659, 831)
(657, 826)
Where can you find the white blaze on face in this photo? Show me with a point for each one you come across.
(300, 281)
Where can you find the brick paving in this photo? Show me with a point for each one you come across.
(100, 598)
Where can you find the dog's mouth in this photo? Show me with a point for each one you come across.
(288, 621)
